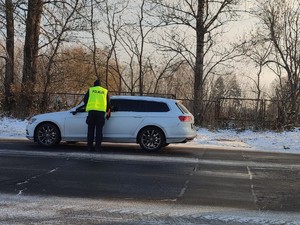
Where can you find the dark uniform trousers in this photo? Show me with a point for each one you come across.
(95, 119)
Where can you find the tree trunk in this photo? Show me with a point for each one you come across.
(198, 80)
(9, 66)
(31, 48)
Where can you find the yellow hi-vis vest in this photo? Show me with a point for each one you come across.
(97, 99)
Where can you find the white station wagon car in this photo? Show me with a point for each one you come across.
(150, 121)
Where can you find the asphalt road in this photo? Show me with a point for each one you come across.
(180, 176)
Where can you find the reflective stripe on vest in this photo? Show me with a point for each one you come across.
(97, 99)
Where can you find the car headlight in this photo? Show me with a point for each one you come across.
(32, 120)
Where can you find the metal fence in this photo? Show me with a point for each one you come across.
(62, 101)
(220, 113)
(246, 113)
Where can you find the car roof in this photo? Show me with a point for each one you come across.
(146, 98)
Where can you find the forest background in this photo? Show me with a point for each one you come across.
(231, 62)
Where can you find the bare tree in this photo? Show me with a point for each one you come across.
(31, 46)
(219, 89)
(127, 49)
(134, 40)
(166, 70)
(114, 11)
(257, 52)
(93, 20)
(48, 25)
(280, 20)
(105, 19)
(205, 18)
(9, 58)
(31, 49)
(62, 19)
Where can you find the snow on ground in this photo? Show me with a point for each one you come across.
(12, 128)
(287, 141)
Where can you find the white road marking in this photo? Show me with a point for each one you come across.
(252, 185)
(251, 181)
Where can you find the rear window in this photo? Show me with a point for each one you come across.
(182, 108)
(123, 105)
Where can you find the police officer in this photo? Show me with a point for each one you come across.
(96, 102)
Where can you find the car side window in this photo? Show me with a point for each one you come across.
(157, 107)
(123, 105)
(126, 105)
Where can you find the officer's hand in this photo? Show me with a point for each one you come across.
(107, 114)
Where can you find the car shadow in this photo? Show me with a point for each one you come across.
(115, 148)
(108, 148)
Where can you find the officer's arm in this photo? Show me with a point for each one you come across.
(108, 107)
(86, 98)
(108, 103)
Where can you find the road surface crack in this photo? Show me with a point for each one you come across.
(185, 186)
(23, 184)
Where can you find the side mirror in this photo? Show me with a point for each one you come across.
(74, 112)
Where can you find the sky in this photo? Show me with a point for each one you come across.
(270, 141)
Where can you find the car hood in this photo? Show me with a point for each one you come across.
(51, 115)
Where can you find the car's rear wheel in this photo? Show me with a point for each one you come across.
(151, 139)
(47, 134)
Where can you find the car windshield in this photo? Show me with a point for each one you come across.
(79, 108)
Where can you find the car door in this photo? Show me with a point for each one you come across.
(75, 125)
(124, 121)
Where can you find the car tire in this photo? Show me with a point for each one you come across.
(47, 134)
(151, 139)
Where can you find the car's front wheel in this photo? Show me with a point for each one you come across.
(151, 139)
(47, 134)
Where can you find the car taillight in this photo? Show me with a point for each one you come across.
(185, 118)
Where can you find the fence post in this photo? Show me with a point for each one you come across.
(217, 110)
